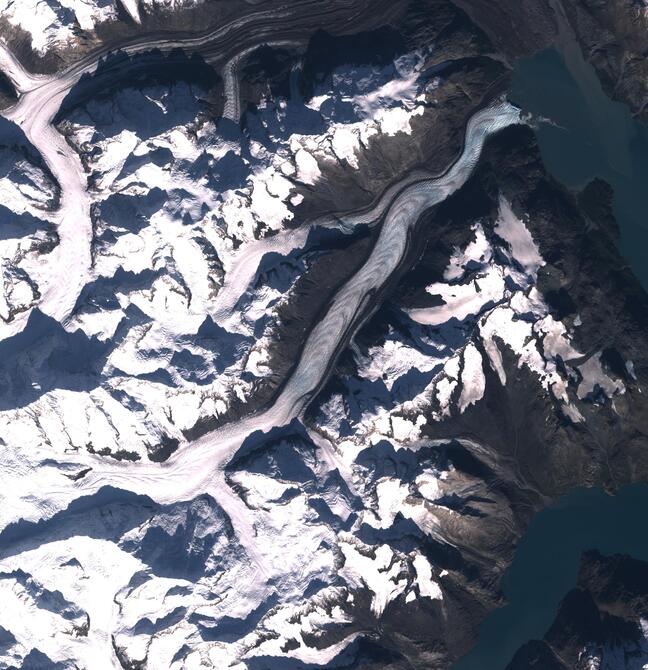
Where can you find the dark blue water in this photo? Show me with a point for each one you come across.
(593, 137)
(588, 136)
(546, 564)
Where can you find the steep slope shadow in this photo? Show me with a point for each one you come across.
(120, 70)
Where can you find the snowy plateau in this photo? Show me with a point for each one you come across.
(211, 456)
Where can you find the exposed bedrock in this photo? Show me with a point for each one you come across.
(581, 267)
(439, 364)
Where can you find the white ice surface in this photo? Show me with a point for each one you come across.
(517, 235)
(473, 382)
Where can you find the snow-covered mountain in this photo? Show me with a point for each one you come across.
(279, 297)
(53, 25)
